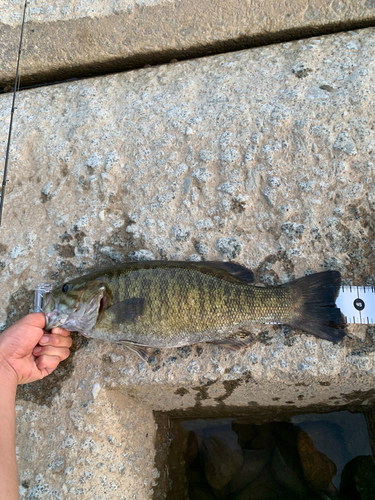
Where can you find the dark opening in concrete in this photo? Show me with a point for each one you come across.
(284, 452)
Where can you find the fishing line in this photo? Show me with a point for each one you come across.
(17, 82)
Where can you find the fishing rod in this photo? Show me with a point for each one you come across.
(16, 83)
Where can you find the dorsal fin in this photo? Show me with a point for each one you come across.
(224, 270)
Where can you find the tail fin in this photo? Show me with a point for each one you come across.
(316, 311)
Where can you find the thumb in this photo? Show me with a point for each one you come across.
(29, 329)
(37, 320)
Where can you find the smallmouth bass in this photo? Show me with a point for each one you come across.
(173, 303)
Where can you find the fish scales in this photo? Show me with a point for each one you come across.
(171, 304)
(180, 303)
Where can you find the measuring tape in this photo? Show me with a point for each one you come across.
(357, 304)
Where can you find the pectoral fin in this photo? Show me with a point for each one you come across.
(127, 310)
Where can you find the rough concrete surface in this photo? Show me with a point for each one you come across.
(265, 157)
(69, 39)
(86, 442)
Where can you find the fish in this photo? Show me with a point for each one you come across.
(165, 304)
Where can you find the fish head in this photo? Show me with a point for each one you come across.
(75, 305)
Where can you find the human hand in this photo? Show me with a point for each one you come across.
(29, 353)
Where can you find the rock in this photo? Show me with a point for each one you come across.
(140, 255)
(200, 492)
(274, 434)
(253, 463)
(201, 248)
(95, 390)
(358, 479)
(263, 488)
(192, 448)
(345, 143)
(221, 462)
(245, 432)
(318, 469)
(287, 475)
(332, 435)
(230, 247)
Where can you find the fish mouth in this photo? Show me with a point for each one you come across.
(82, 319)
(101, 305)
(46, 301)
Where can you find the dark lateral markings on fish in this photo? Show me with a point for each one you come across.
(174, 303)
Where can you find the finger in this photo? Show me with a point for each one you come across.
(59, 352)
(26, 332)
(55, 340)
(34, 319)
(60, 331)
(48, 363)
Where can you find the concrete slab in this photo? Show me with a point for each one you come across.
(263, 156)
(81, 38)
(93, 443)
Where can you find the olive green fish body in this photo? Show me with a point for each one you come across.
(182, 306)
(171, 304)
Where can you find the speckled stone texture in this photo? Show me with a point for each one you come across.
(87, 442)
(73, 38)
(265, 157)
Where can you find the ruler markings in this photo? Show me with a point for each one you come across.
(357, 304)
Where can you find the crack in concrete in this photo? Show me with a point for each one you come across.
(59, 72)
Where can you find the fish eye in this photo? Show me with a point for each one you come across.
(66, 287)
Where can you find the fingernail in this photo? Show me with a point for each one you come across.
(44, 339)
(37, 349)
